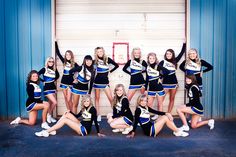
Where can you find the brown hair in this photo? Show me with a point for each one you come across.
(192, 78)
(140, 98)
(30, 75)
(72, 60)
(154, 55)
(172, 60)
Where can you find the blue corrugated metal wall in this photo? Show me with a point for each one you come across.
(212, 32)
(25, 42)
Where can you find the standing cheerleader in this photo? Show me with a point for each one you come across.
(102, 63)
(142, 116)
(34, 102)
(153, 82)
(194, 107)
(83, 128)
(67, 78)
(83, 83)
(50, 75)
(136, 67)
(169, 82)
(193, 65)
(122, 119)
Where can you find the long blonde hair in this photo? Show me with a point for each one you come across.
(105, 58)
(46, 62)
(115, 99)
(198, 60)
(72, 60)
(84, 98)
(154, 55)
(132, 53)
(140, 98)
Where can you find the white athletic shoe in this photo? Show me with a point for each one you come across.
(49, 118)
(53, 120)
(154, 117)
(184, 128)
(16, 121)
(53, 132)
(211, 124)
(45, 125)
(127, 130)
(117, 130)
(99, 118)
(181, 133)
(42, 133)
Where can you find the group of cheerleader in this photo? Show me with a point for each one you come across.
(78, 81)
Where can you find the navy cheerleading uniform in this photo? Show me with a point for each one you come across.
(170, 80)
(135, 68)
(142, 116)
(85, 81)
(194, 95)
(34, 93)
(67, 78)
(153, 83)
(192, 68)
(102, 70)
(49, 78)
(89, 115)
(121, 109)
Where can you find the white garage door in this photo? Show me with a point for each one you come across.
(152, 25)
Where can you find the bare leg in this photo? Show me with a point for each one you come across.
(131, 93)
(67, 97)
(183, 109)
(97, 98)
(65, 121)
(142, 90)
(119, 123)
(53, 102)
(75, 103)
(108, 94)
(150, 101)
(195, 123)
(32, 118)
(160, 102)
(172, 99)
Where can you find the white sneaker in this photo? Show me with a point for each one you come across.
(117, 130)
(42, 133)
(181, 133)
(154, 117)
(53, 132)
(49, 118)
(45, 125)
(211, 124)
(184, 128)
(53, 120)
(99, 118)
(127, 130)
(16, 121)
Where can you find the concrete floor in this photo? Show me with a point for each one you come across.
(20, 141)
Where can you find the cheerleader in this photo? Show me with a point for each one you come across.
(142, 116)
(194, 65)
(194, 107)
(153, 82)
(102, 63)
(169, 82)
(135, 67)
(82, 128)
(50, 75)
(67, 79)
(83, 82)
(34, 102)
(122, 119)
